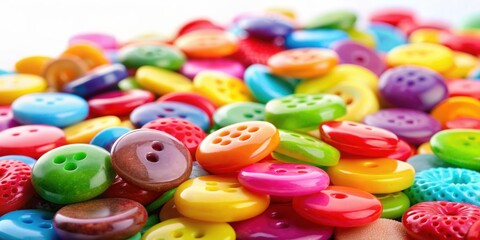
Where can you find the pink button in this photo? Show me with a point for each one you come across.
(280, 221)
(102, 40)
(283, 179)
(231, 67)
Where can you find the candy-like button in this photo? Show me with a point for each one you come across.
(467, 88)
(221, 88)
(238, 112)
(16, 85)
(468, 123)
(192, 67)
(433, 56)
(207, 43)
(456, 107)
(161, 56)
(266, 86)
(118, 103)
(350, 52)
(16, 188)
(27, 224)
(84, 132)
(63, 70)
(90, 54)
(394, 204)
(32, 65)
(359, 99)
(460, 147)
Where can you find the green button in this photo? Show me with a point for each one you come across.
(394, 204)
(304, 112)
(300, 148)
(459, 147)
(338, 19)
(129, 83)
(238, 112)
(73, 173)
(150, 55)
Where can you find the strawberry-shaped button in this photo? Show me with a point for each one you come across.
(15, 186)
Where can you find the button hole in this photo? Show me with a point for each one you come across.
(226, 142)
(241, 128)
(59, 159)
(253, 129)
(79, 156)
(152, 157)
(70, 166)
(224, 133)
(244, 137)
(157, 146)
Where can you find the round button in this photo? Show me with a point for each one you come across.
(393, 204)
(162, 81)
(90, 54)
(456, 107)
(303, 63)
(350, 52)
(252, 51)
(393, 16)
(63, 70)
(386, 36)
(221, 88)
(340, 19)
(426, 161)
(266, 27)
(108, 136)
(362, 37)
(112, 218)
(266, 86)
(193, 99)
(84, 132)
(122, 189)
(16, 188)
(32, 65)
(189, 229)
(463, 64)
(467, 88)
(161, 56)
(118, 103)
(314, 38)
(403, 151)
(433, 56)
(459, 147)
(14, 86)
(463, 43)
(27, 224)
(207, 43)
(218, 199)
(339, 207)
(151, 160)
(72, 173)
(197, 24)
(6, 118)
(103, 40)
(359, 99)
(192, 67)
(238, 112)
(467, 123)
(378, 175)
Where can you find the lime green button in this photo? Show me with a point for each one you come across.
(337, 19)
(129, 83)
(394, 204)
(460, 147)
(152, 55)
(238, 112)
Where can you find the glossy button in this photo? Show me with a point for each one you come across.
(303, 112)
(218, 199)
(189, 229)
(221, 88)
(358, 139)
(299, 148)
(31, 140)
(393, 204)
(280, 221)
(6, 118)
(386, 36)
(228, 66)
(113, 218)
(350, 52)
(122, 189)
(207, 43)
(161, 56)
(433, 56)
(103, 40)
(460, 147)
(238, 112)
(283, 179)
(193, 99)
(468, 123)
(32, 65)
(266, 86)
(340, 19)
(72, 173)
(381, 175)
(162, 81)
(467, 88)
(151, 159)
(118, 103)
(339, 207)
(90, 54)
(314, 38)
(56, 109)
(108, 136)
(84, 132)
(266, 27)
(359, 99)
(456, 107)
(463, 64)
(413, 87)
(231, 148)
(252, 50)
(63, 70)
(27, 224)
(425, 161)
(14, 86)
(303, 63)
(16, 188)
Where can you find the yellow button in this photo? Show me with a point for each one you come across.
(162, 81)
(433, 56)
(362, 37)
(425, 35)
(456, 107)
(463, 64)
(342, 73)
(221, 88)
(126, 123)
(425, 148)
(189, 229)
(218, 199)
(376, 175)
(16, 85)
(360, 100)
(83, 132)
(32, 65)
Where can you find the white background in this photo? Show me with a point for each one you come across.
(43, 26)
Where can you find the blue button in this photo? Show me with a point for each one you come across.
(386, 36)
(265, 86)
(423, 162)
(56, 109)
(28, 160)
(107, 137)
(27, 224)
(316, 38)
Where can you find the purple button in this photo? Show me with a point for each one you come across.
(412, 87)
(413, 126)
(265, 27)
(102, 40)
(351, 52)
(280, 221)
(231, 67)
(6, 118)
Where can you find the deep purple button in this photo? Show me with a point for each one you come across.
(350, 52)
(231, 67)
(413, 87)
(100, 79)
(6, 118)
(265, 27)
(280, 221)
(413, 126)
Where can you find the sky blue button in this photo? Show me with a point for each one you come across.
(316, 38)
(386, 36)
(27, 224)
(264, 85)
(107, 137)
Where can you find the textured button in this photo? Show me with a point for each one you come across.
(16, 188)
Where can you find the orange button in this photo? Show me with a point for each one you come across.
(456, 107)
(63, 70)
(303, 62)
(89, 53)
(32, 65)
(207, 43)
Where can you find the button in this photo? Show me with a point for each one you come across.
(63, 70)
(460, 147)
(228, 66)
(252, 50)
(6, 118)
(425, 35)
(403, 151)
(280, 221)
(189, 229)
(207, 43)
(122, 189)
(456, 107)
(339, 206)
(393, 204)
(55, 109)
(303, 63)
(27, 160)
(59, 176)
(238, 112)
(221, 88)
(467, 88)
(340, 19)
(413, 126)
(359, 99)
(413, 87)
(362, 37)
(314, 38)
(358, 139)
(16, 187)
(463, 64)
(31, 140)
(103, 40)
(32, 65)
(283, 179)
(427, 161)
(266, 27)
(193, 99)
(161, 56)
(265, 86)
(467, 123)
(118, 103)
(84, 132)
(378, 175)
(350, 52)
(90, 54)
(108, 136)
(393, 16)
(218, 199)
(129, 83)
(16, 85)
(299, 148)
(112, 218)
(304, 112)
(27, 224)
(387, 37)
(162, 81)
(424, 148)
(436, 57)
(462, 43)
(197, 24)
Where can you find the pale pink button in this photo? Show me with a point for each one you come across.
(231, 67)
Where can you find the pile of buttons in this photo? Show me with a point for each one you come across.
(263, 128)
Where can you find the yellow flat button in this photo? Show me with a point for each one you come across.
(16, 85)
(425, 148)
(189, 229)
(83, 132)
(342, 73)
(162, 81)
(430, 55)
(377, 175)
(218, 199)
(32, 65)
(362, 37)
(360, 100)
(221, 88)
(456, 107)
(463, 64)
(425, 35)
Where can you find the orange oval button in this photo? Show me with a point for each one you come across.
(303, 62)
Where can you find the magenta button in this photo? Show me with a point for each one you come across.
(231, 67)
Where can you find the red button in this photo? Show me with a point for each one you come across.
(119, 103)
